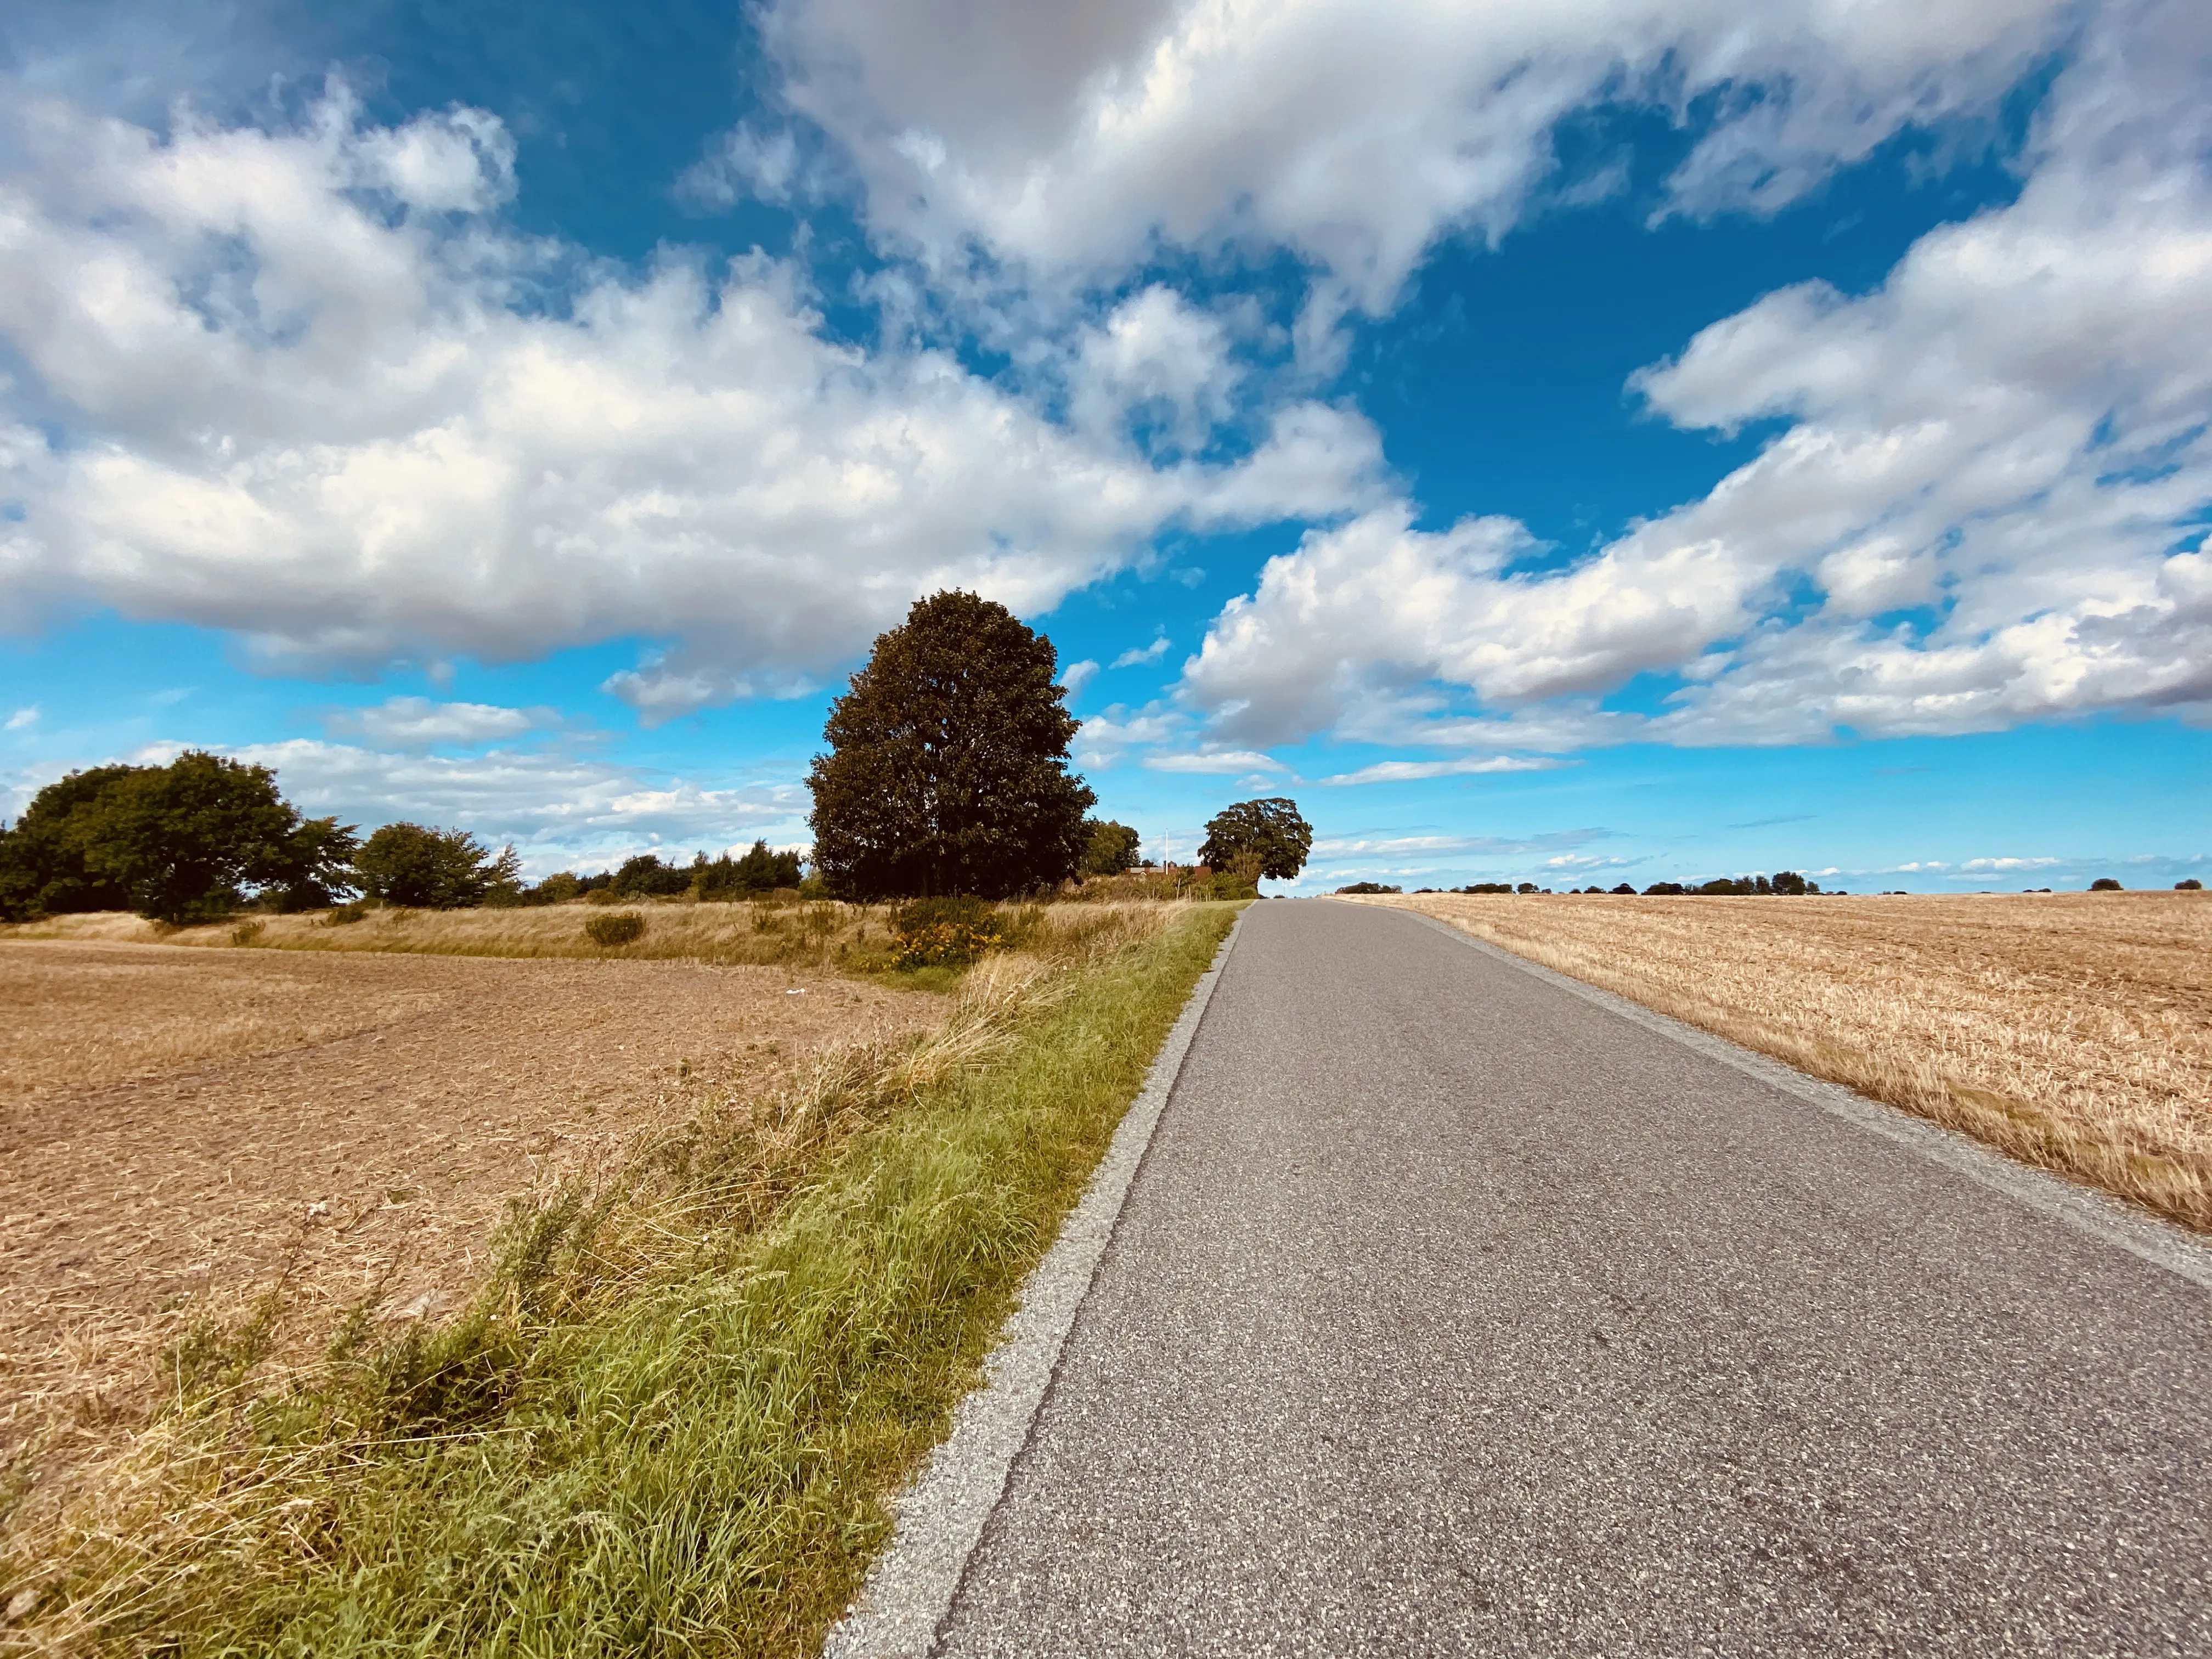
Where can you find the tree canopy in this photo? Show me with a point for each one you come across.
(432, 869)
(1109, 848)
(178, 843)
(947, 770)
(1258, 838)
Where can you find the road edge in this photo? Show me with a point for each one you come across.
(2082, 1208)
(942, 1512)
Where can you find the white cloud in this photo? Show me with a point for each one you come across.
(419, 723)
(1105, 738)
(23, 718)
(1136, 656)
(1077, 675)
(2005, 442)
(559, 810)
(1415, 771)
(1347, 131)
(302, 398)
(1215, 762)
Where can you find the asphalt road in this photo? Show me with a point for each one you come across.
(1449, 1313)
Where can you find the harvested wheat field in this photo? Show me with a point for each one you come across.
(185, 1130)
(2073, 1030)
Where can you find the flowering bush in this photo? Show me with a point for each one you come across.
(947, 932)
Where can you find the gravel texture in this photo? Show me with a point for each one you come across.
(1452, 1312)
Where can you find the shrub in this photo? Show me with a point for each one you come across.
(624, 927)
(247, 932)
(346, 915)
(2189, 884)
(557, 889)
(2106, 884)
(944, 933)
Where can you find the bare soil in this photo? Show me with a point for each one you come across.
(184, 1131)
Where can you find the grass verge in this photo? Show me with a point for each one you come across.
(670, 1424)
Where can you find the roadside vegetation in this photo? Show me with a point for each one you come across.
(2071, 1032)
(669, 1421)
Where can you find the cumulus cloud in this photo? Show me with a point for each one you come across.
(23, 718)
(300, 385)
(1077, 675)
(1985, 508)
(419, 723)
(1349, 132)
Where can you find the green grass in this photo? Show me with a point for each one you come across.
(671, 1425)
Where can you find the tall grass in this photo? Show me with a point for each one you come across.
(670, 1423)
(765, 932)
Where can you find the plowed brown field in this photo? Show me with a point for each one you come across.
(2070, 1029)
(181, 1131)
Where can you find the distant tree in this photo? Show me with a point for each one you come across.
(1625, 888)
(758, 871)
(1669, 889)
(432, 869)
(947, 770)
(1373, 887)
(1526, 887)
(557, 889)
(1111, 848)
(644, 876)
(2189, 884)
(1258, 838)
(2106, 884)
(187, 841)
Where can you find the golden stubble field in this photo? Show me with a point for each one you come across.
(186, 1130)
(2073, 1030)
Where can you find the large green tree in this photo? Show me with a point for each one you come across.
(947, 770)
(432, 869)
(1257, 838)
(1109, 848)
(183, 842)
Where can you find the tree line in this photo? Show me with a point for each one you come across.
(947, 774)
(205, 836)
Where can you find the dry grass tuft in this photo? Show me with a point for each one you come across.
(2073, 1031)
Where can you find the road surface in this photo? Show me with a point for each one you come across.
(1452, 1312)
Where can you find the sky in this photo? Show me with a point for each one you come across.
(1567, 441)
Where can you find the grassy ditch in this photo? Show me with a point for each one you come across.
(669, 1424)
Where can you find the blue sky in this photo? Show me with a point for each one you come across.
(1615, 441)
